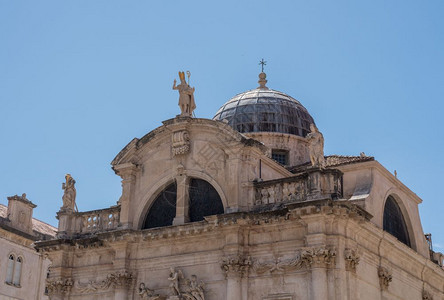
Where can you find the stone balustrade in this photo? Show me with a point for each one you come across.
(315, 184)
(99, 220)
(75, 223)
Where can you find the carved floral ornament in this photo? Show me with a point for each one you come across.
(118, 279)
(59, 286)
(352, 258)
(236, 265)
(385, 277)
(426, 295)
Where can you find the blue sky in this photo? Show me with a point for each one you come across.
(80, 79)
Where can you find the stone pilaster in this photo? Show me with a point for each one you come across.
(318, 259)
(183, 199)
(235, 268)
(127, 172)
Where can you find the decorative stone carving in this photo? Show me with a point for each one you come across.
(426, 295)
(180, 288)
(318, 257)
(59, 286)
(180, 142)
(351, 259)
(278, 265)
(186, 95)
(148, 294)
(316, 146)
(174, 278)
(195, 289)
(118, 279)
(235, 265)
(69, 194)
(385, 277)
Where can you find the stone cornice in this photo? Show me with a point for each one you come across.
(292, 213)
(374, 164)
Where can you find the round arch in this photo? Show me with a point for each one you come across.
(152, 194)
(394, 195)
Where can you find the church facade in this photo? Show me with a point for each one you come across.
(244, 206)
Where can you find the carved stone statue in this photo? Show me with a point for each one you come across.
(316, 146)
(174, 278)
(196, 289)
(69, 195)
(186, 95)
(147, 293)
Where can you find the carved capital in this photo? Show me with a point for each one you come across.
(180, 142)
(352, 258)
(385, 277)
(126, 171)
(318, 257)
(235, 266)
(426, 295)
(121, 279)
(59, 286)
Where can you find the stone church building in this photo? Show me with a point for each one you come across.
(244, 206)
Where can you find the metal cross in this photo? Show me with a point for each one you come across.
(263, 63)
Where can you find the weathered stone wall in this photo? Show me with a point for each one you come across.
(311, 252)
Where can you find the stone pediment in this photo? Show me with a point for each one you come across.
(220, 131)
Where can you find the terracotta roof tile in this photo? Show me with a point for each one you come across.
(334, 161)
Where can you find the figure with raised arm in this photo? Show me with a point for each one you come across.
(186, 96)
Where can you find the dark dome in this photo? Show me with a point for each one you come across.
(265, 110)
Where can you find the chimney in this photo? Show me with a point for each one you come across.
(20, 213)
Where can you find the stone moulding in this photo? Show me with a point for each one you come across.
(291, 213)
(117, 279)
(385, 277)
(59, 286)
(351, 259)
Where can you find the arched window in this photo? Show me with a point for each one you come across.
(17, 271)
(10, 270)
(203, 201)
(163, 210)
(394, 222)
(14, 270)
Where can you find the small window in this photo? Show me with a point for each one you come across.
(14, 271)
(281, 156)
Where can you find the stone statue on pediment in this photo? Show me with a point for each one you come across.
(316, 146)
(69, 194)
(186, 95)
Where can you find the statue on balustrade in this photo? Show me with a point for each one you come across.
(69, 194)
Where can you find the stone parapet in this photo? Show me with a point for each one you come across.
(314, 184)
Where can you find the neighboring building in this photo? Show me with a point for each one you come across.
(23, 270)
(244, 206)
